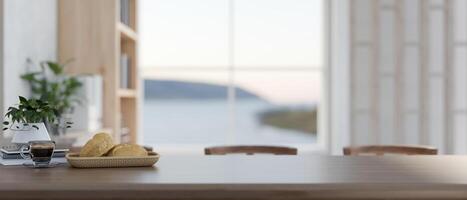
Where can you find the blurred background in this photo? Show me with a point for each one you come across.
(231, 72)
(180, 75)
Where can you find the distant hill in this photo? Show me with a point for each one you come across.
(304, 120)
(169, 89)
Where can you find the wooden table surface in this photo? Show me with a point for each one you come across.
(248, 177)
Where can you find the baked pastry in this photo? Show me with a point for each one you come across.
(127, 150)
(99, 145)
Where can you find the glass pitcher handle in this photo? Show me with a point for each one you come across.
(24, 149)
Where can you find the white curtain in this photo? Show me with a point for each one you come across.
(399, 73)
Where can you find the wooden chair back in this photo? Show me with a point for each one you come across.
(250, 150)
(390, 149)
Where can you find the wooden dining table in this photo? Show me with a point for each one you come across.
(248, 177)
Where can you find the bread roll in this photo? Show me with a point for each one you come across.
(127, 150)
(99, 145)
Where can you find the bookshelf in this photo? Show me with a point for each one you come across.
(101, 36)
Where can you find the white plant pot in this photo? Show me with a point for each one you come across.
(25, 132)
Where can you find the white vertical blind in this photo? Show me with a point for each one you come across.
(408, 73)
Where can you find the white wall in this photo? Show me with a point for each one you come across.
(29, 31)
(407, 73)
(1, 59)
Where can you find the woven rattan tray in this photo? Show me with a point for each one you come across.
(105, 162)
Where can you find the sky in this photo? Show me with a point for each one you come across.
(274, 46)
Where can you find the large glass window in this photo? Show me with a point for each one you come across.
(231, 71)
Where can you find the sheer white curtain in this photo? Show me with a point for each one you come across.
(406, 72)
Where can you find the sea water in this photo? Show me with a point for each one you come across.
(214, 122)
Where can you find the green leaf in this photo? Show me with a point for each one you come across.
(23, 100)
(31, 111)
(55, 67)
(33, 104)
(30, 76)
(58, 91)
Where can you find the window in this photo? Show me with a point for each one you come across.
(231, 71)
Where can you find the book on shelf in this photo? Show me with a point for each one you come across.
(125, 71)
(125, 12)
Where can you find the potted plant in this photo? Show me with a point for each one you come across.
(52, 85)
(26, 120)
